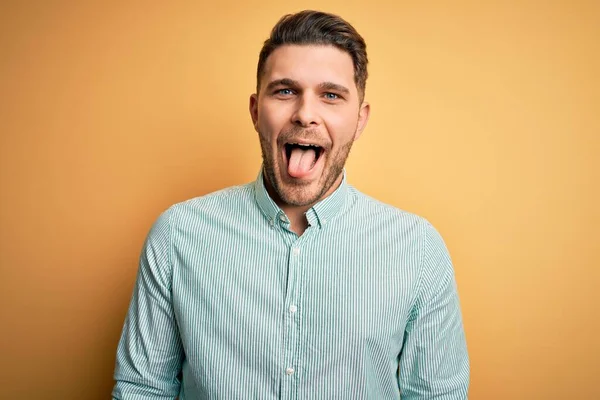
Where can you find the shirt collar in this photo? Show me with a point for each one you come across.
(320, 214)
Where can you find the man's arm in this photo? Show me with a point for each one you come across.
(150, 353)
(434, 363)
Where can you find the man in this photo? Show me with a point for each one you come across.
(296, 286)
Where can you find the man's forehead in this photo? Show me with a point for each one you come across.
(304, 63)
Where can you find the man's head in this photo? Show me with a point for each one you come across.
(317, 28)
(308, 108)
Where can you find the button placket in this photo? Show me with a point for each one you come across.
(292, 317)
(292, 326)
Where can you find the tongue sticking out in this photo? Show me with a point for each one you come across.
(301, 162)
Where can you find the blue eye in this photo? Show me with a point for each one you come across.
(331, 96)
(285, 92)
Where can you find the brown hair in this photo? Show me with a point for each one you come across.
(318, 28)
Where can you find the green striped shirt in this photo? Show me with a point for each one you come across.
(229, 303)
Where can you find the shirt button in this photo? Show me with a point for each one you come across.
(289, 371)
(283, 218)
(293, 308)
(296, 251)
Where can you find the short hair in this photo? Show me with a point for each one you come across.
(317, 28)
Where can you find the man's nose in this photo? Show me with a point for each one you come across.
(307, 111)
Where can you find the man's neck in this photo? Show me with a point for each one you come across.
(297, 217)
(297, 214)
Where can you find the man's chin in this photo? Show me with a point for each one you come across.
(295, 192)
(298, 195)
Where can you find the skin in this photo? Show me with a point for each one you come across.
(307, 95)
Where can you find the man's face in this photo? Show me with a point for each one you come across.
(307, 114)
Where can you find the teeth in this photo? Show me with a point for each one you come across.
(305, 145)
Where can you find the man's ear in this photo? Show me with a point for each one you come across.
(363, 118)
(253, 107)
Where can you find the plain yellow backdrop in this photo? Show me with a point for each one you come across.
(485, 120)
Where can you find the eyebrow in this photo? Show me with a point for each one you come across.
(292, 83)
(335, 87)
(282, 82)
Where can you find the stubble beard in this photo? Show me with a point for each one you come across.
(298, 194)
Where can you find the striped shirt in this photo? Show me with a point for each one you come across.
(230, 303)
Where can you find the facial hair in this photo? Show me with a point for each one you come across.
(299, 194)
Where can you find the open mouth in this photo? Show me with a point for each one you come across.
(301, 158)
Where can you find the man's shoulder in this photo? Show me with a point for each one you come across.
(393, 221)
(371, 207)
(236, 197)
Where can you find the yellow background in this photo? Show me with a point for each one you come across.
(485, 119)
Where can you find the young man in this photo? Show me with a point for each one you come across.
(296, 286)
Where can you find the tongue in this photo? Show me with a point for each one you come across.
(301, 162)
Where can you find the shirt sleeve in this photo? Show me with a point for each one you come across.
(434, 362)
(150, 353)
